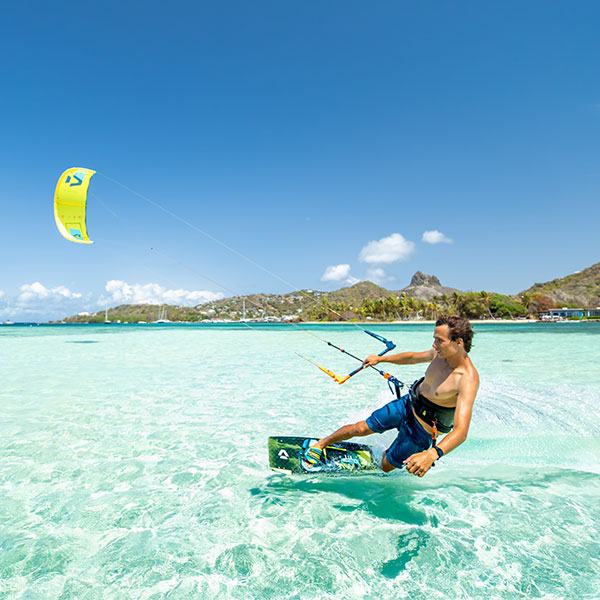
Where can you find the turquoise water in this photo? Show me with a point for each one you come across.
(133, 465)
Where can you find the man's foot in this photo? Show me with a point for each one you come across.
(313, 455)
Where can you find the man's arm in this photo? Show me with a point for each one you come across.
(420, 463)
(404, 358)
(462, 416)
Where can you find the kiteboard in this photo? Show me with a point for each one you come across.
(286, 456)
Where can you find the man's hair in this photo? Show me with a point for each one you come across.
(459, 328)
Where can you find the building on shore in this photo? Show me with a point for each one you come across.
(569, 313)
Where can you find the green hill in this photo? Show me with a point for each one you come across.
(581, 289)
(424, 298)
(295, 305)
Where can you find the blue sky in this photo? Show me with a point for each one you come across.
(321, 140)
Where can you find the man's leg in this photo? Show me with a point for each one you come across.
(345, 433)
(315, 453)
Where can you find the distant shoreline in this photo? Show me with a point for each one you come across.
(419, 322)
(301, 323)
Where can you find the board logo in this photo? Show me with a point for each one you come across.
(283, 455)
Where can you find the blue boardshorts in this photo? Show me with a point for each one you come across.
(412, 438)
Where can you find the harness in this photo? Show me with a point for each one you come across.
(440, 417)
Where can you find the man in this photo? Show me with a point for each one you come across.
(442, 399)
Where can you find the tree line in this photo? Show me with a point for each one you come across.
(473, 305)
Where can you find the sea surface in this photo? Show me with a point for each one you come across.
(133, 464)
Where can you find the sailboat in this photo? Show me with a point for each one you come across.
(244, 319)
(8, 321)
(162, 315)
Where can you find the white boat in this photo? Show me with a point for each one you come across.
(162, 315)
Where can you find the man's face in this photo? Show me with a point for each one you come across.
(443, 346)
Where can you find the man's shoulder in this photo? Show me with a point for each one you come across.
(469, 368)
(472, 370)
(470, 376)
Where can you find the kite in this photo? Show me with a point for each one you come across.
(70, 199)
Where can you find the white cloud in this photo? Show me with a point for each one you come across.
(34, 292)
(339, 273)
(387, 250)
(1, 294)
(378, 275)
(36, 302)
(121, 292)
(336, 273)
(435, 237)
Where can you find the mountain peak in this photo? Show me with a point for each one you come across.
(420, 278)
(425, 287)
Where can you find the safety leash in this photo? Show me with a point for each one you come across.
(434, 445)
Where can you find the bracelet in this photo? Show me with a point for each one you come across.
(439, 451)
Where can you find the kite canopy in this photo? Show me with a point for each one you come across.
(70, 200)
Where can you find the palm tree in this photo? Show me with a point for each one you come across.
(367, 308)
(390, 306)
(456, 301)
(485, 297)
(526, 300)
(446, 301)
(413, 306)
(403, 305)
(432, 310)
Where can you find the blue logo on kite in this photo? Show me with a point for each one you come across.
(77, 180)
(76, 233)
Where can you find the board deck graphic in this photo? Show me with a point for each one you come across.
(286, 456)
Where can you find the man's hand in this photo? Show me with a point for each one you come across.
(418, 464)
(372, 360)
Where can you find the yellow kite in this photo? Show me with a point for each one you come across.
(70, 200)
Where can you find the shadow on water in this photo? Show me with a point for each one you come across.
(516, 478)
(424, 510)
(384, 497)
(388, 496)
(82, 342)
(409, 545)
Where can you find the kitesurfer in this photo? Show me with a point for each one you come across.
(441, 401)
